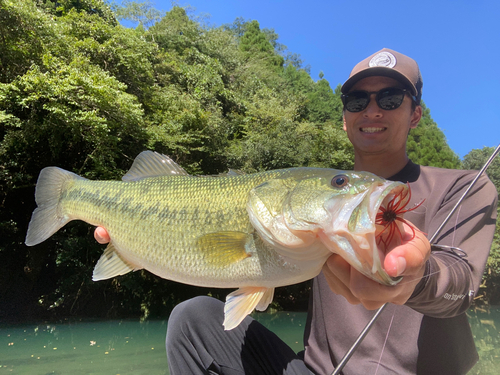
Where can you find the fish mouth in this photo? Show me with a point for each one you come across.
(361, 240)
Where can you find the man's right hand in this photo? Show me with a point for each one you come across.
(345, 280)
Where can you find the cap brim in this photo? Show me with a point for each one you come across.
(378, 71)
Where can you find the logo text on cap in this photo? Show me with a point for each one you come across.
(385, 59)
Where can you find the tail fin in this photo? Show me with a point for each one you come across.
(47, 218)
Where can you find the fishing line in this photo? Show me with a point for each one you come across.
(385, 341)
(455, 228)
(365, 331)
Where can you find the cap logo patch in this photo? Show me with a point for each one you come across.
(385, 59)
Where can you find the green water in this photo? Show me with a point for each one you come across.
(132, 347)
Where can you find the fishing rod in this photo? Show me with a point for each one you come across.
(370, 324)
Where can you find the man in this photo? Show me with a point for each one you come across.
(424, 329)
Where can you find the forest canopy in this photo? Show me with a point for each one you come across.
(81, 91)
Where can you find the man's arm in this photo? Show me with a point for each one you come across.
(437, 284)
(453, 278)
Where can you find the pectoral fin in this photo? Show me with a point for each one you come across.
(243, 301)
(110, 264)
(225, 248)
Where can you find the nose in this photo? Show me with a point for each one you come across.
(372, 110)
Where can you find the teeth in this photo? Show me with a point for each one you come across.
(371, 130)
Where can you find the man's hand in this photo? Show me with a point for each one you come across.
(407, 260)
(101, 235)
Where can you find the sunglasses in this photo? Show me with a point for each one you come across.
(387, 99)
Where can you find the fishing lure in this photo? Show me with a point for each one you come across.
(389, 216)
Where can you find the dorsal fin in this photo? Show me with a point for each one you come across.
(229, 173)
(152, 164)
(235, 172)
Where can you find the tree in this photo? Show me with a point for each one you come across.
(25, 35)
(122, 52)
(256, 45)
(97, 7)
(427, 144)
(142, 13)
(56, 108)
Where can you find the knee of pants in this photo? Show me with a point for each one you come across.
(194, 315)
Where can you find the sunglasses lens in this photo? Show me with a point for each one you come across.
(390, 98)
(387, 99)
(356, 101)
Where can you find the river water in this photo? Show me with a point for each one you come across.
(134, 347)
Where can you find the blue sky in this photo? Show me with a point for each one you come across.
(455, 42)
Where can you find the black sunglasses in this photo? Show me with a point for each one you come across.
(387, 99)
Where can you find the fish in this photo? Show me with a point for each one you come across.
(253, 232)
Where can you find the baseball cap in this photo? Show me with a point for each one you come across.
(388, 63)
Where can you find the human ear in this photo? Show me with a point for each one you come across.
(415, 117)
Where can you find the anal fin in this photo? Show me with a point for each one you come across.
(243, 301)
(110, 264)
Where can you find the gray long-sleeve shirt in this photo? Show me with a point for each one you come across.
(430, 334)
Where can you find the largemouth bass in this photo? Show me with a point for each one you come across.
(254, 232)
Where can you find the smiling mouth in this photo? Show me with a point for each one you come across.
(371, 130)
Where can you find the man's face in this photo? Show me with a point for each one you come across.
(378, 131)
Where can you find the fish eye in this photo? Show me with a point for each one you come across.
(340, 181)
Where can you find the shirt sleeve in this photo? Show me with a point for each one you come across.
(452, 278)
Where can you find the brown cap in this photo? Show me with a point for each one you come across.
(388, 63)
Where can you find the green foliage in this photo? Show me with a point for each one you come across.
(25, 32)
(256, 45)
(123, 53)
(143, 13)
(476, 159)
(62, 7)
(63, 112)
(323, 105)
(320, 102)
(82, 92)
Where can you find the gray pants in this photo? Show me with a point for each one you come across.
(197, 344)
